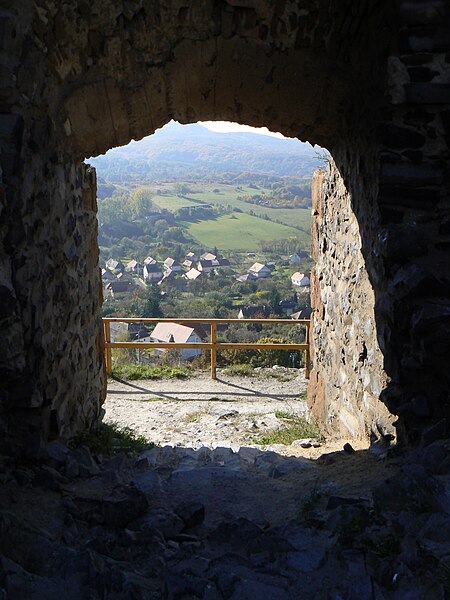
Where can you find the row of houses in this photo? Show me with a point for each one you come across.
(121, 278)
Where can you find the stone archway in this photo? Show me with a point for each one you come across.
(82, 77)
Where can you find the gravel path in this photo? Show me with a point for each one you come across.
(200, 412)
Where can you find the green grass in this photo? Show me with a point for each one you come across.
(239, 369)
(300, 217)
(110, 439)
(172, 203)
(239, 230)
(131, 372)
(297, 428)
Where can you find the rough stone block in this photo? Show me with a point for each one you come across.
(427, 93)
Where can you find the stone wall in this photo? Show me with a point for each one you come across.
(347, 378)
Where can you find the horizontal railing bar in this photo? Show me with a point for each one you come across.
(186, 320)
(224, 345)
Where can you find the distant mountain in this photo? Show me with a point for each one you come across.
(193, 152)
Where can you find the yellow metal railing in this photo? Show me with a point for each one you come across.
(213, 345)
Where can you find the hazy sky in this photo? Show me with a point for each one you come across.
(226, 127)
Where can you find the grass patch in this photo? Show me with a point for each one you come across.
(297, 428)
(232, 231)
(193, 417)
(131, 372)
(278, 376)
(239, 369)
(110, 439)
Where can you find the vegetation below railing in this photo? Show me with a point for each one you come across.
(132, 372)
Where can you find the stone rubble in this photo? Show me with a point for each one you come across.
(179, 523)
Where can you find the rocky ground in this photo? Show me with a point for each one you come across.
(228, 412)
(181, 524)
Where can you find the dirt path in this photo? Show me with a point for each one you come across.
(228, 412)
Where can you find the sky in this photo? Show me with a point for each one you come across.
(227, 127)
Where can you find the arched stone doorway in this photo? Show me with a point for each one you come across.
(83, 77)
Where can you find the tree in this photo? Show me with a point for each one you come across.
(152, 306)
(140, 202)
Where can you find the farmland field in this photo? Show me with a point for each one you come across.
(172, 203)
(226, 196)
(241, 231)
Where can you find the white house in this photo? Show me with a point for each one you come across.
(301, 279)
(259, 270)
(171, 264)
(174, 332)
(208, 256)
(152, 272)
(134, 267)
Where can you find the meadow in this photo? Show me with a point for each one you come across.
(240, 231)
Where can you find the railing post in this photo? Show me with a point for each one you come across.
(213, 340)
(307, 351)
(107, 348)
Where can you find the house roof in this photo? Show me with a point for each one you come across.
(257, 267)
(164, 332)
(119, 286)
(114, 264)
(191, 256)
(302, 277)
(132, 264)
(193, 274)
(149, 260)
(250, 312)
(305, 313)
(246, 277)
(107, 274)
(188, 263)
(152, 268)
(169, 262)
(208, 256)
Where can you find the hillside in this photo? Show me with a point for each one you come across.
(194, 153)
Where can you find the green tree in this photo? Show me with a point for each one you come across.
(152, 307)
(140, 203)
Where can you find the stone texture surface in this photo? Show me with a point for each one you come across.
(368, 80)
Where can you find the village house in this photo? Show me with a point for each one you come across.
(152, 272)
(206, 266)
(115, 265)
(188, 264)
(191, 256)
(149, 261)
(260, 270)
(300, 279)
(294, 259)
(254, 312)
(304, 313)
(287, 307)
(181, 334)
(208, 256)
(171, 264)
(134, 267)
(108, 275)
(117, 287)
(246, 277)
(169, 275)
(193, 274)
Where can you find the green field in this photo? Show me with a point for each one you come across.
(240, 231)
(299, 217)
(172, 203)
(227, 197)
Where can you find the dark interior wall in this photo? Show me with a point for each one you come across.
(81, 77)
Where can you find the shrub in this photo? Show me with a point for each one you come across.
(110, 439)
(131, 372)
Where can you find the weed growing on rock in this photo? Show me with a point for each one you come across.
(111, 439)
(297, 428)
